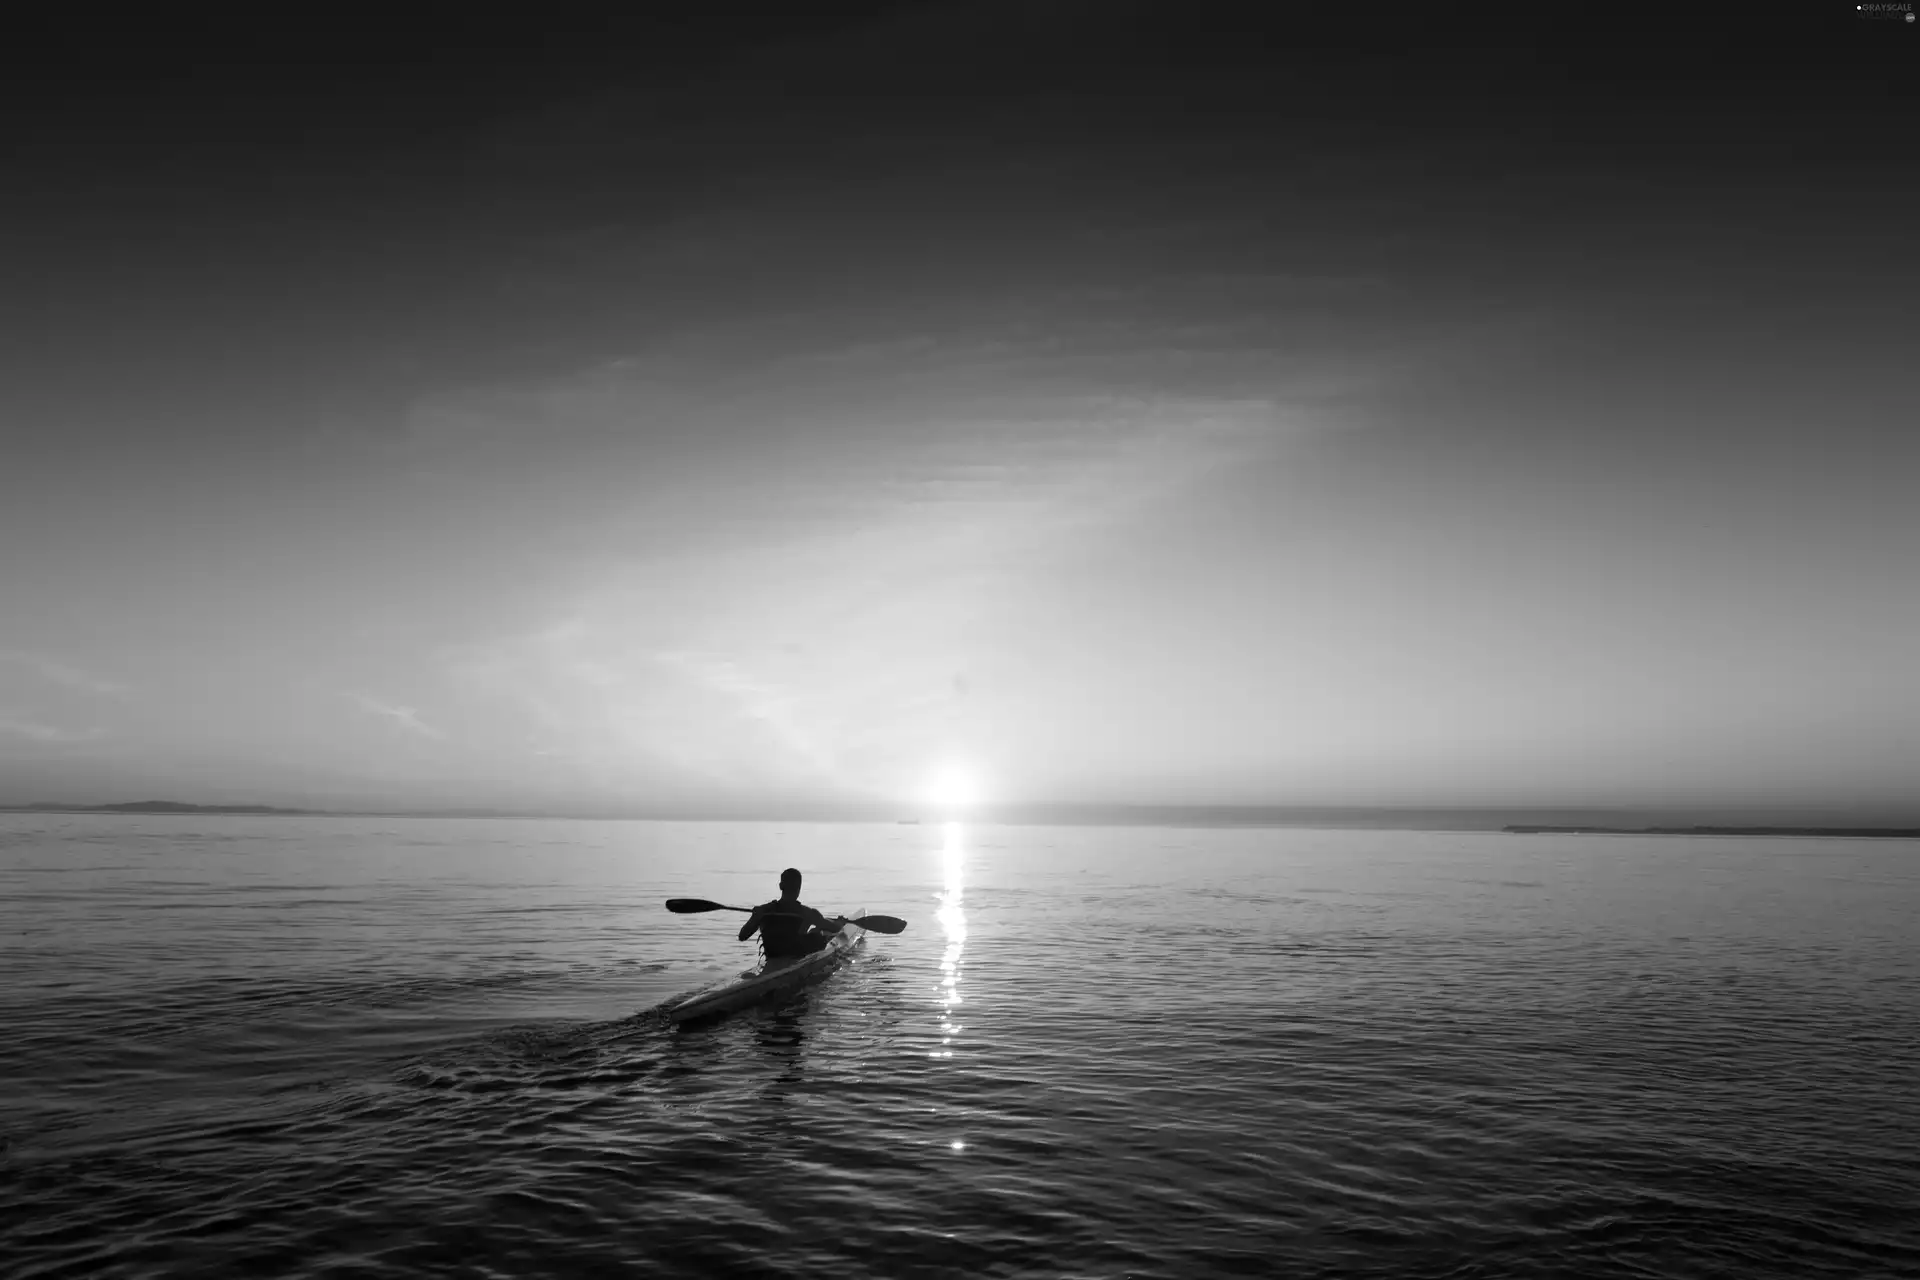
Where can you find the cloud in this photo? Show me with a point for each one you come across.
(764, 703)
(585, 695)
(406, 717)
(35, 731)
(56, 672)
(896, 552)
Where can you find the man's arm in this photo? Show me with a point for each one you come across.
(752, 926)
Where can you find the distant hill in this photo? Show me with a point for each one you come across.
(149, 806)
(1891, 833)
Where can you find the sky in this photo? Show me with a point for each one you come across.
(1097, 404)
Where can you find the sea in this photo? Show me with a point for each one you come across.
(386, 1047)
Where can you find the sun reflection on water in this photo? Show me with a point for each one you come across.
(953, 921)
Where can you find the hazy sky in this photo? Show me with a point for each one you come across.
(1113, 405)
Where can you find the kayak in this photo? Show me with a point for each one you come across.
(776, 977)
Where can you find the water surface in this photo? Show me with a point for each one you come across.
(384, 1047)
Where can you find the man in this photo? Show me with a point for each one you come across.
(787, 926)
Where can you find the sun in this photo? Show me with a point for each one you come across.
(953, 787)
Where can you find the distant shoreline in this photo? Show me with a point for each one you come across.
(158, 806)
(1137, 816)
(1889, 833)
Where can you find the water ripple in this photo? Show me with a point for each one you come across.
(281, 1047)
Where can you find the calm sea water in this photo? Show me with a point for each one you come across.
(378, 1047)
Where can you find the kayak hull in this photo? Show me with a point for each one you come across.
(770, 980)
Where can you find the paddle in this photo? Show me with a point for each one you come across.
(692, 906)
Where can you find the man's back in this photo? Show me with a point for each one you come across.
(786, 928)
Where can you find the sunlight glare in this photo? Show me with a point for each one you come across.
(953, 787)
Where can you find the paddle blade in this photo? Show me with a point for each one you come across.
(689, 906)
(881, 924)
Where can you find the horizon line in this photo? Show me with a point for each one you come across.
(1471, 817)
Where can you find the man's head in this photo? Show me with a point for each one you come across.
(790, 883)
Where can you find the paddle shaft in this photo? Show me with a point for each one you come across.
(875, 924)
(688, 905)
